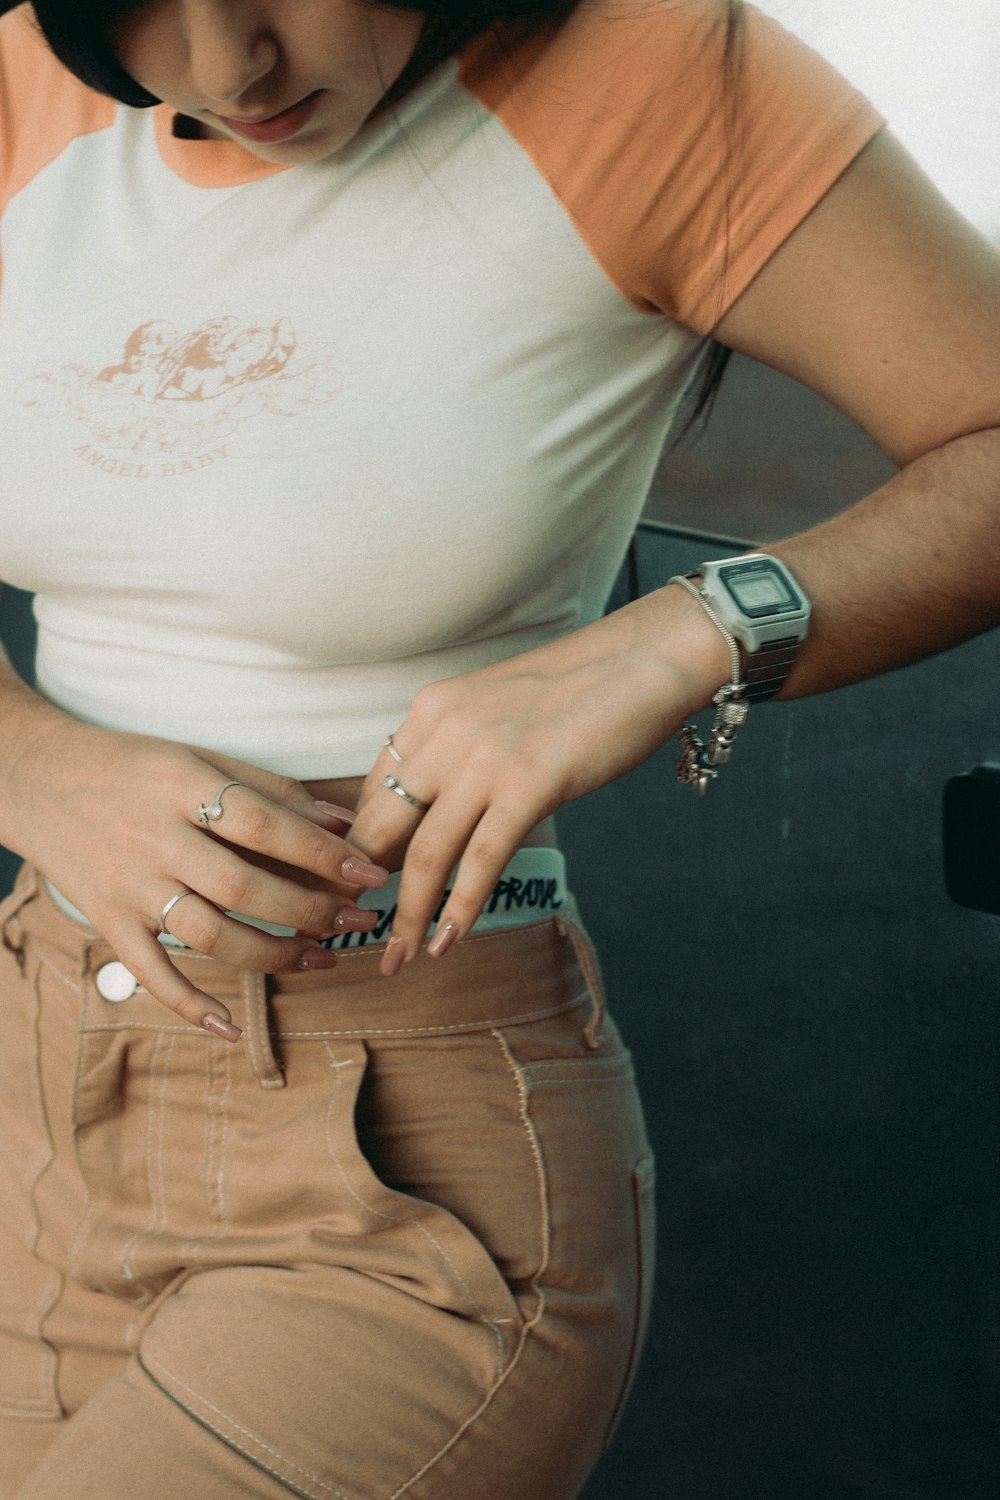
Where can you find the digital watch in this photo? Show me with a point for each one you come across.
(763, 606)
(761, 610)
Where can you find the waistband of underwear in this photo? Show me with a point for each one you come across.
(532, 886)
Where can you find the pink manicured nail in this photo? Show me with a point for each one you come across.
(218, 1027)
(318, 958)
(442, 939)
(360, 872)
(393, 958)
(333, 811)
(353, 919)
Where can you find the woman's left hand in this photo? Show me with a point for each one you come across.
(495, 751)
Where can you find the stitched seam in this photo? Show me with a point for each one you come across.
(58, 973)
(523, 1091)
(533, 1322)
(580, 1078)
(215, 1144)
(459, 1279)
(80, 1233)
(252, 1024)
(487, 1024)
(471, 1419)
(149, 1362)
(39, 1404)
(587, 959)
(48, 1359)
(612, 1066)
(156, 1187)
(140, 1026)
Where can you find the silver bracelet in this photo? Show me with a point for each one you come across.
(698, 763)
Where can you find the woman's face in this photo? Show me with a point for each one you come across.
(291, 80)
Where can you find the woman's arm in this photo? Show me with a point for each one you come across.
(886, 302)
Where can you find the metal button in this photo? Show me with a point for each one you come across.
(115, 982)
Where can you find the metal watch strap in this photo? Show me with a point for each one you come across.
(766, 670)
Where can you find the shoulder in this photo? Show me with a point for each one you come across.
(43, 108)
(608, 51)
(685, 137)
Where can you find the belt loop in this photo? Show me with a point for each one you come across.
(257, 1031)
(11, 929)
(569, 925)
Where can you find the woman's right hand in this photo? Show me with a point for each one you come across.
(112, 820)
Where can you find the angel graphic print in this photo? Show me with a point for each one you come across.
(183, 394)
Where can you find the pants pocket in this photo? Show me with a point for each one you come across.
(412, 1221)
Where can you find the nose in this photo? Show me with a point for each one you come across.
(229, 49)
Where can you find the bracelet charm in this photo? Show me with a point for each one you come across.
(698, 763)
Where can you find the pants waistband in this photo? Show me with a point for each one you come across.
(505, 977)
(532, 885)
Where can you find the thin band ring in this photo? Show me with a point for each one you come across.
(164, 914)
(393, 751)
(211, 812)
(392, 785)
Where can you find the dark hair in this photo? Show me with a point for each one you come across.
(79, 33)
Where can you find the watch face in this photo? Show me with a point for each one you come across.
(759, 589)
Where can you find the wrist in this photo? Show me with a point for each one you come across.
(37, 739)
(683, 641)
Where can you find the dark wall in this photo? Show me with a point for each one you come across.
(816, 1034)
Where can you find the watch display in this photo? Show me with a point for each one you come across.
(761, 604)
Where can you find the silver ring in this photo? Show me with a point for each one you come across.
(393, 751)
(211, 812)
(393, 785)
(164, 914)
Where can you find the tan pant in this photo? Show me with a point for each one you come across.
(395, 1241)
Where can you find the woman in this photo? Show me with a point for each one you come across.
(319, 633)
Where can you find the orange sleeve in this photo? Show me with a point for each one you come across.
(682, 174)
(43, 108)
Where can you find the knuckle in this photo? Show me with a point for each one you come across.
(203, 933)
(278, 956)
(286, 788)
(167, 987)
(190, 1008)
(259, 824)
(466, 908)
(316, 914)
(484, 855)
(422, 857)
(430, 702)
(235, 884)
(316, 852)
(481, 756)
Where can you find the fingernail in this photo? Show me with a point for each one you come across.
(317, 958)
(219, 1027)
(442, 939)
(333, 811)
(353, 919)
(393, 958)
(360, 872)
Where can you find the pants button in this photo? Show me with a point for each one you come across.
(115, 982)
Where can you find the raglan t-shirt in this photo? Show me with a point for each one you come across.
(282, 445)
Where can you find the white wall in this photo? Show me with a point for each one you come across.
(933, 68)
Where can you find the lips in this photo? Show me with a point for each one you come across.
(279, 127)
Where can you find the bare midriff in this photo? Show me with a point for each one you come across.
(345, 792)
